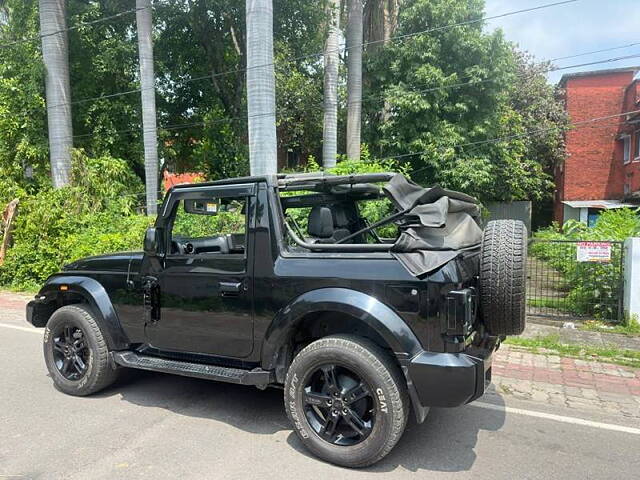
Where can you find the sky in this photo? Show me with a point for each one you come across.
(571, 29)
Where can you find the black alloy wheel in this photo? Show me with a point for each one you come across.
(346, 399)
(76, 352)
(339, 405)
(70, 351)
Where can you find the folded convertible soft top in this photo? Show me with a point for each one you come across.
(437, 225)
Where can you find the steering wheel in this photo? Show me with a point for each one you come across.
(179, 247)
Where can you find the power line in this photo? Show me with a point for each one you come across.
(179, 126)
(311, 55)
(629, 45)
(379, 96)
(470, 22)
(73, 27)
(574, 125)
(524, 74)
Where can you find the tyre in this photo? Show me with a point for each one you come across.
(503, 266)
(76, 353)
(347, 400)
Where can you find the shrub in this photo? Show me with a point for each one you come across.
(594, 288)
(372, 211)
(55, 227)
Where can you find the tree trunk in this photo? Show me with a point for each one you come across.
(261, 95)
(354, 79)
(331, 60)
(55, 53)
(148, 93)
(380, 22)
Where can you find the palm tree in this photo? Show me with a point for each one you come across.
(354, 78)
(55, 53)
(148, 93)
(261, 95)
(380, 21)
(331, 59)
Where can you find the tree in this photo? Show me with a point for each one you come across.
(55, 53)
(148, 94)
(448, 97)
(542, 111)
(261, 95)
(24, 151)
(380, 22)
(354, 78)
(331, 61)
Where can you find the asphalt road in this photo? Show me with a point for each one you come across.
(162, 426)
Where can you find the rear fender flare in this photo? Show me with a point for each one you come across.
(94, 294)
(375, 314)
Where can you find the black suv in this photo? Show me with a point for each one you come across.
(294, 281)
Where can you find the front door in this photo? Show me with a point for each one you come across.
(203, 289)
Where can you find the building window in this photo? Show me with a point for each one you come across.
(627, 189)
(626, 145)
(637, 145)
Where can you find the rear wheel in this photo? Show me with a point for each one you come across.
(76, 353)
(503, 277)
(347, 400)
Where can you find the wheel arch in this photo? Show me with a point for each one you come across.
(354, 311)
(61, 290)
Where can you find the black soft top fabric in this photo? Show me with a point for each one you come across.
(438, 226)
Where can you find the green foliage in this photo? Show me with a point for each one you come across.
(444, 94)
(229, 219)
(594, 288)
(372, 210)
(23, 143)
(55, 227)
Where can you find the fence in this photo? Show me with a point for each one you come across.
(511, 210)
(569, 279)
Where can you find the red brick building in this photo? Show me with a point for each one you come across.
(602, 167)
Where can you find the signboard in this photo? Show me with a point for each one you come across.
(594, 252)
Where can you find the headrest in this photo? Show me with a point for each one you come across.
(320, 222)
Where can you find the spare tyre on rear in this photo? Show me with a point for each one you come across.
(503, 272)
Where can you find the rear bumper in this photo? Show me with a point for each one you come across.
(449, 379)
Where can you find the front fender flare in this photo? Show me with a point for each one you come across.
(375, 314)
(94, 294)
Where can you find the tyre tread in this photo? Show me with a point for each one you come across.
(387, 370)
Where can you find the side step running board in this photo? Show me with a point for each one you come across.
(257, 377)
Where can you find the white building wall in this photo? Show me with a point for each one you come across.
(632, 278)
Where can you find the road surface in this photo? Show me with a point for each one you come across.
(161, 426)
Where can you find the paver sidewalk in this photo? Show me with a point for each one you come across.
(566, 381)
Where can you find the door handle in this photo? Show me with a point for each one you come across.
(228, 289)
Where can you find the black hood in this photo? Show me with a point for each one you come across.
(112, 262)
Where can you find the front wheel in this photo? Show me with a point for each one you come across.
(76, 353)
(347, 400)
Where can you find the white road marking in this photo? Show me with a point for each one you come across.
(558, 418)
(24, 329)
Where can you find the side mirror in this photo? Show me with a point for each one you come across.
(151, 241)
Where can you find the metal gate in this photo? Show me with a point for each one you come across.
(572, 279)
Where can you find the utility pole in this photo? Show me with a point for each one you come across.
(148, 93)
(55, 53)
(261, 94)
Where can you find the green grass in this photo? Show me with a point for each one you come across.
(556, 303)
(631, 329)
(550, 344)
